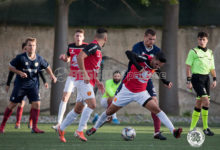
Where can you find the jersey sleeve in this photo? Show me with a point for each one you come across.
(109, 89)
(43, 64)
(16, 62)
(190, 58)
(41, 73)
(10, 77)
(91, 49)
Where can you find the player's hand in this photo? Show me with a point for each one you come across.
(62, 57)
(189, 86)
(86, 78)
(22, 74)
(54, 79)
(169, 85)
(213, 84)
(7, 88)
(46, 85)
(101, 87)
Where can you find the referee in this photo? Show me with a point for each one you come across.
(200, 62)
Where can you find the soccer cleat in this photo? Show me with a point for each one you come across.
(61, 135)
(17, 126)
(115, 121)
(36, 130)
(177, 132)
(90, 131)
(96, 117)
(208, 132)
(55, 127)
(159, 136)
(80, 135)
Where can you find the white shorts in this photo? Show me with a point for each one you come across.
(70, 84)
(104, 102)
(84, 91)
(124, 97)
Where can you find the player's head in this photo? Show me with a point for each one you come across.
(202, 39)
(23, 46)
(149, 38)
(158, 60)
(116, 76)
(31, 45)
(101, 36)
(79, 36)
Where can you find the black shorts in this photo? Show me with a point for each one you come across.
(19, 93)
(201, 84)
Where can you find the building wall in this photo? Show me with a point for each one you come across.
(119, 40)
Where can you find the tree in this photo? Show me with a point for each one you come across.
(60, 43)
(169, 97)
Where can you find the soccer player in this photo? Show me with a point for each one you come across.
(148, 47)
(27, 66)
(89, 61)
(21, 105)
(199, 63)
(134, 89)
(111, 86)
(71, 56)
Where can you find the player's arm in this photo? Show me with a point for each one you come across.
(41, 73)
(109, 89)
(10, 77)
(100, 86)
(134, 59)
(167, 83)
(213, 73)
(50, 72)
(13, 69)
(64, 58)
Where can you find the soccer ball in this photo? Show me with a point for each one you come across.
(128, 133)
(196, 137)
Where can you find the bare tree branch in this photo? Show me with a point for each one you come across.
(133, 12)
(97, 5)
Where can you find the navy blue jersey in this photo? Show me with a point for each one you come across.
(30, 67)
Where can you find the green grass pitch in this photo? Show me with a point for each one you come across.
(106, 138)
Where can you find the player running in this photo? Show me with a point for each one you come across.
(89, 61)
(27, 67)
(111, 86)
(200, 62)
(21, 105)
(134, 89)
(71, 56)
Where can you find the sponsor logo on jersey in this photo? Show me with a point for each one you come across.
(89, 93)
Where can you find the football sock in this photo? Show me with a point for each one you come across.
(70, 118)
(30, 120)
(84, 118)
(114, 116)
(165, 120)
(195, 118)
(19, 114)
(205, 117)
(34, 116)
(7, 114)
(157, 123)
(101, 120)
(62, 109)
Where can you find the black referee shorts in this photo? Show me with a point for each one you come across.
(201, 84)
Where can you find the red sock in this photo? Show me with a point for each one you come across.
(7, 114)
(156, 123)
(34, 116)
(19, 114)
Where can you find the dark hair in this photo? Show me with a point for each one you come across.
(23, 45)
(100, 33)
(161, 57)
(150, 31)
(202, 34)
(80, 31)
(116, 71)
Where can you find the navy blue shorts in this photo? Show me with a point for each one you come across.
(19, 93)
(150, 88)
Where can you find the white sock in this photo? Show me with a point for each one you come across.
(114, 116)
(70, 118)
(165, 120)
(84, 118)
(101, 120)
(62, 109)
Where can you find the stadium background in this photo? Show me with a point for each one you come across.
(18, 20)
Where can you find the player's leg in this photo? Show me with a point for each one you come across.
(114, 116)
(19, 114)
(196, 113)
(68, 89)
